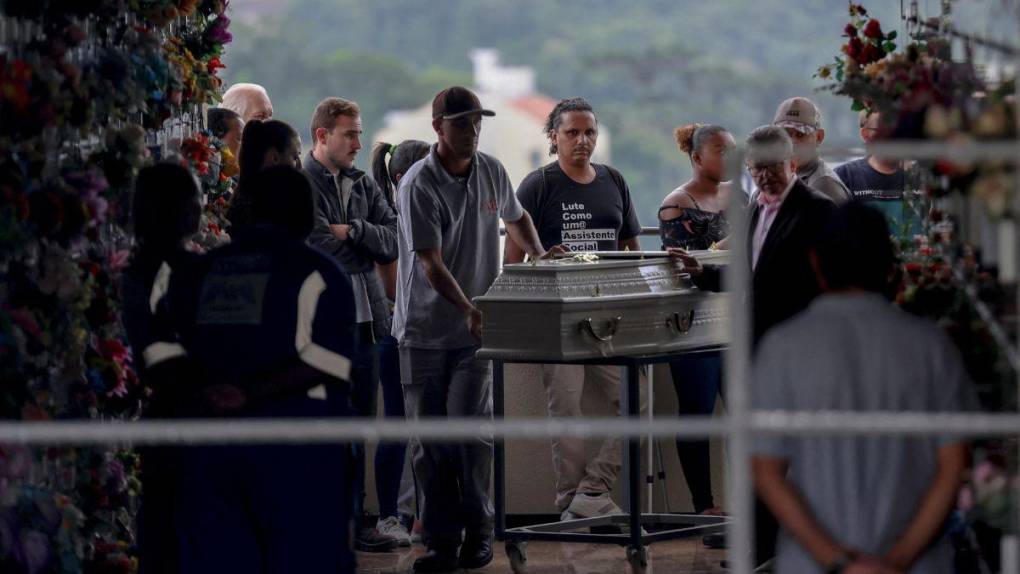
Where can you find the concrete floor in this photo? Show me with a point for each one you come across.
(686, 556)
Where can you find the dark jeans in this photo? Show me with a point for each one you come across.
(364, 389)
(157, 534)
(389, 456)
(698, 381)
(273, 509)
(453, 477)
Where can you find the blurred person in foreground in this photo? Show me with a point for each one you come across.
(270, 320)
(166, 214)
(859, 504)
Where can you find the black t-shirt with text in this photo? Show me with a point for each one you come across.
(583, 216)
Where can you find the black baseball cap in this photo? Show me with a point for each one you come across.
(456, 102)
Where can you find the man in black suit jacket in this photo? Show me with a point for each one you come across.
(783, 227)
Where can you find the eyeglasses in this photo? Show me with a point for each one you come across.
(760, 168)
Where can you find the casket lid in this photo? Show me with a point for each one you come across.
(612, 274)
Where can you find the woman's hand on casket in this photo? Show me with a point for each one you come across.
(691, 264)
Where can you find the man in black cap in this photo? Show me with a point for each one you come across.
(449, 207)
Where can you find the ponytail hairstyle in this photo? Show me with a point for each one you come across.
(692, 137)
(401, 157)
(257, 139)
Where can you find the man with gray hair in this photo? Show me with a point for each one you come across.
(802, 120)
(783, 228)
(250, 101)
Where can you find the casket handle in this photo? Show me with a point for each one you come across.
(589, 326)
(681, 322)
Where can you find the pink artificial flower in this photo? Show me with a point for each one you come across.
(984, 472)
(119, 260)
(16, 461)
(217, 31)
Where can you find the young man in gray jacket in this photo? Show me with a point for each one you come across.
(356, 225)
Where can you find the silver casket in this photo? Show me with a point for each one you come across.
(622, 304)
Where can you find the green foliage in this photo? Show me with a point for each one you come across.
(646, 65)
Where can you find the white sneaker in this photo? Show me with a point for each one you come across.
(390, 527)
(591, 506)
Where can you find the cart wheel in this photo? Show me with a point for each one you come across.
(638, 559)
(517, 552)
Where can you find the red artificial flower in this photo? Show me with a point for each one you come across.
(113, 349)
(873, 30)
(33, 412)
(853, 48)
(914, 268)
(15, 79)
(871, 53)
(860, 9)
(25, 319)
(850, 30)
(18, 202)
(213, 65)
(91, 267)
(187, 7)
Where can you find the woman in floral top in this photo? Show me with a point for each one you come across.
(693, 216)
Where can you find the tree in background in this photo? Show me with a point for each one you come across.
(647, 65)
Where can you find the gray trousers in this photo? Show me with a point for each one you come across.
(453, 477)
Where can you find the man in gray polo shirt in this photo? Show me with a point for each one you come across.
(449, 206)
(859, 503)
(802, 120)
